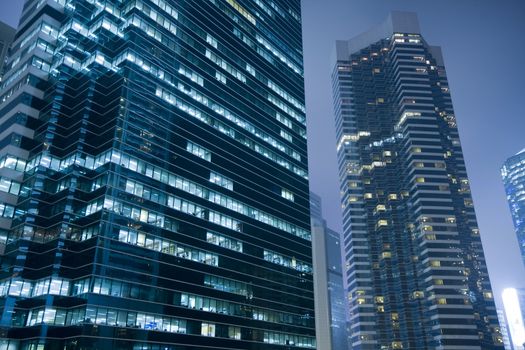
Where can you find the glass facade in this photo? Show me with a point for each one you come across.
(513, 174)
(415, 274)
(154, 184)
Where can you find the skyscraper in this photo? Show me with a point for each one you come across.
(416, 271)
(513, 174)
(330, 303)
(158, 158)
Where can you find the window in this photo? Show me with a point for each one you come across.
(199, 151)
(220, 77)
(286, 261)
(226, 285)
(208, 329)
(221, 180)
(380, 207)
(381, 223)
(418, 294)
(286, 136)
(234, 332)
(224, 241)
(287, 195)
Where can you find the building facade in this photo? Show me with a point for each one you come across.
(330, 306)
(154, 155)
(513, 174)
(416, 271)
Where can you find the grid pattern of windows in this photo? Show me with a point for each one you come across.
(153, 176)
(408, 224)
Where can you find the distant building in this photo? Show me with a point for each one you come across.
(514, 305)
(415, 267)
(7, 34)
(504, 329)
(513, 174)
(330, 302)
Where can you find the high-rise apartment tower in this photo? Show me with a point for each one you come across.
(154, 154)
(416, 272)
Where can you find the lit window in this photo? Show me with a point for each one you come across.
(199, 151)
(382, 223)
(397, 345)
(221, 180)
(380, 207)
(208, 329)
(418, 294)
(287, 195)
(224, 241)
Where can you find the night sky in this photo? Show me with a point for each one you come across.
(484, 49)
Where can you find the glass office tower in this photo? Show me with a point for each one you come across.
(513, 174)
(159, 165)
(416, 271)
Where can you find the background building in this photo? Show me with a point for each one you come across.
(330, 304)
(7, 34)
(514, 304)
(504, 329)
(513, 174)
(416, 271)
(154, 154)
